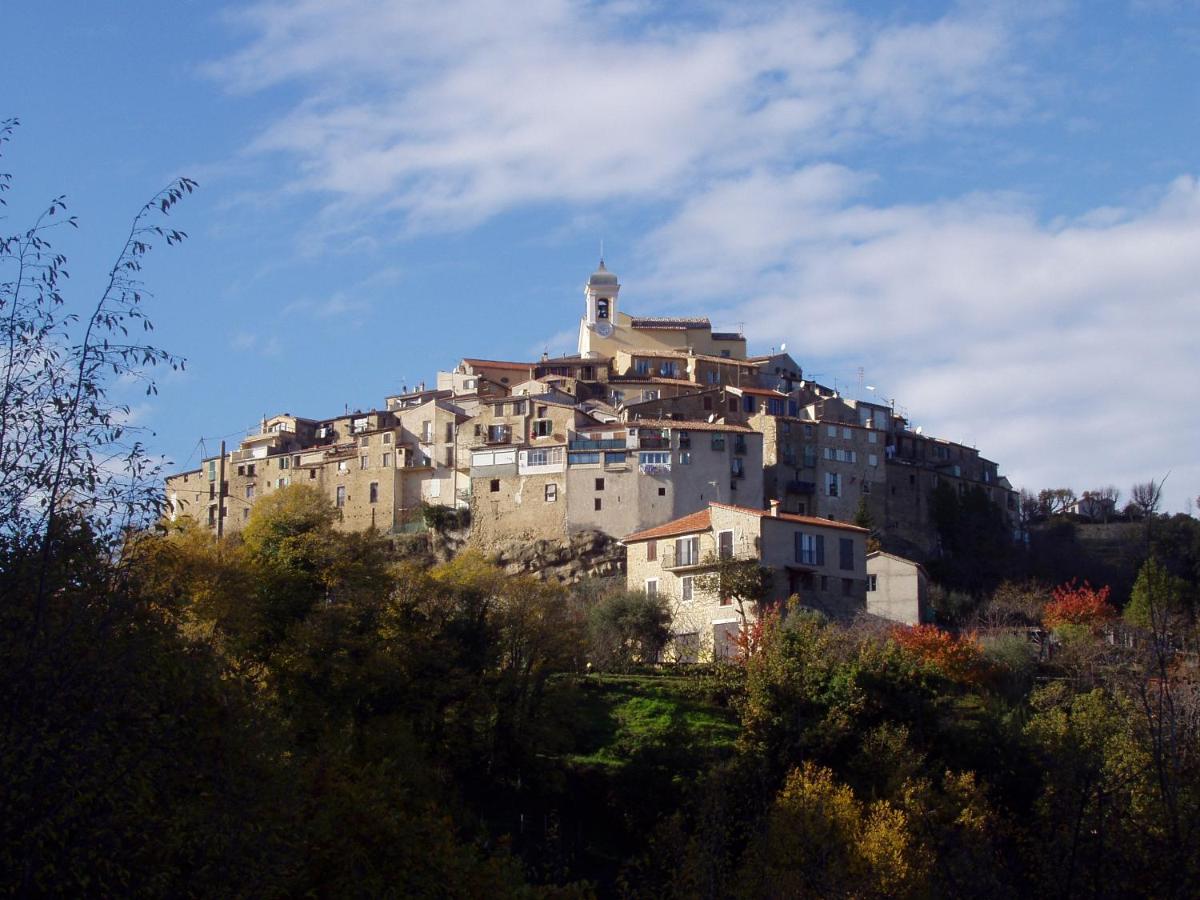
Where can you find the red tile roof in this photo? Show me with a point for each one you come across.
(681, 425)
(697, 521)
(792, 517)
(498, 364)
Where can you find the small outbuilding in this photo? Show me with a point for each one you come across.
(897, 589)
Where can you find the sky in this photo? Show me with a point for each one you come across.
(987, 212)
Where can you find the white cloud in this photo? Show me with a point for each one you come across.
(1067, 351)
(451, 112)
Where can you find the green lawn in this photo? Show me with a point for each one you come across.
(622, 717)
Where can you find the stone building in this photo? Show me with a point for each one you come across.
(897, 589)
(820, 562)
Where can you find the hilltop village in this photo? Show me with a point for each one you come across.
(660, 433)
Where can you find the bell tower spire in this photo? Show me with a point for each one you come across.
(600, 307)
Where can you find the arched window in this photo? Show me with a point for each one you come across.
(602, 308)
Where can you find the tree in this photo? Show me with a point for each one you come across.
(744, 582)
(626, 628)
(1055, 501)
(1158, 598)
(1079, 605)
(1145, 497)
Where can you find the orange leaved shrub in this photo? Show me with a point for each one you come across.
(959, 658)
(1077, 604)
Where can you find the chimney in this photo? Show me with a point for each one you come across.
(775, 508)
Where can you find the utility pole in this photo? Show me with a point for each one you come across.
(221, 494)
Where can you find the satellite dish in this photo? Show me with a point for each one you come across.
(712, 418)
(783, 347)
(918, 429)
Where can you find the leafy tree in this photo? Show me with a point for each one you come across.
(957, 658)
(743, 581)
(1158, 598)
(626, 628)
(1079, 605)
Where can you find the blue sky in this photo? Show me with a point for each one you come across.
(993, 211)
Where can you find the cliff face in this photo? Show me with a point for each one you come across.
(588, 554)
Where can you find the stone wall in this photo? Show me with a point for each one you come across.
(588, 554)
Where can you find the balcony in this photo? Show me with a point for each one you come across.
(801, 487)
(654, 442)
(608, 444)
(498, 435)
(670, 559)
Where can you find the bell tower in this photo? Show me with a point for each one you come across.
(600, 296)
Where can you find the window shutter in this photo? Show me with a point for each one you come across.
(799, 536)
(820, 549)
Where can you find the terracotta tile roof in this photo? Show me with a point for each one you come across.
(697, 521)
(652, 379)
(758, 392)
(792, 517)
(498, 364)
(683, 425)
(672, 323)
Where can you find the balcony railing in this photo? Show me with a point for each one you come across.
(706, 558)
(654, 442)
(801, 487)
(606, 444)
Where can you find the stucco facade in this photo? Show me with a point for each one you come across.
(897, 589)
(822, 563)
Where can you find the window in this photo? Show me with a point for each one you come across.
(543, 428)
(872, 437)
(551, 494)
(212, 516)
(725, 544)
(651, 587)
(846, 554)
(662, 492)
(364, 441)
(833, 484)
(245, 513)
(364, 462)
(872, 459)
(831, 430)
(282, 482)
(498, 409)
(847, 587)
(449, 432)
(494, 487)
(341, 496)
(342, 467)
(748, 403)
(537, 457)
(519, 408)
(641, 366)
(685, 588)
(386, 460)
(687, 551)
(284, 462)
(830, 453)
(387, 438)
(602, 308)
(651, 551)
(449, 456)
(241, 470)
(871, 583)
(685, 457)
(250, 470)
(866, 486)
(426, 432)
(846, 433)
(824, 582)
(733, 404)
(312, 473)
(212, 470)
(598, 504)
(599, 484)
(249, 492)
(737, 467)
(718, 442)
(810, 549)
(373, 492)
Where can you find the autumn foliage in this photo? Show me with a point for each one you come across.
(1077, 604)
(959, 658)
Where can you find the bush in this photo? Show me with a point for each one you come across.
(627, 628)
